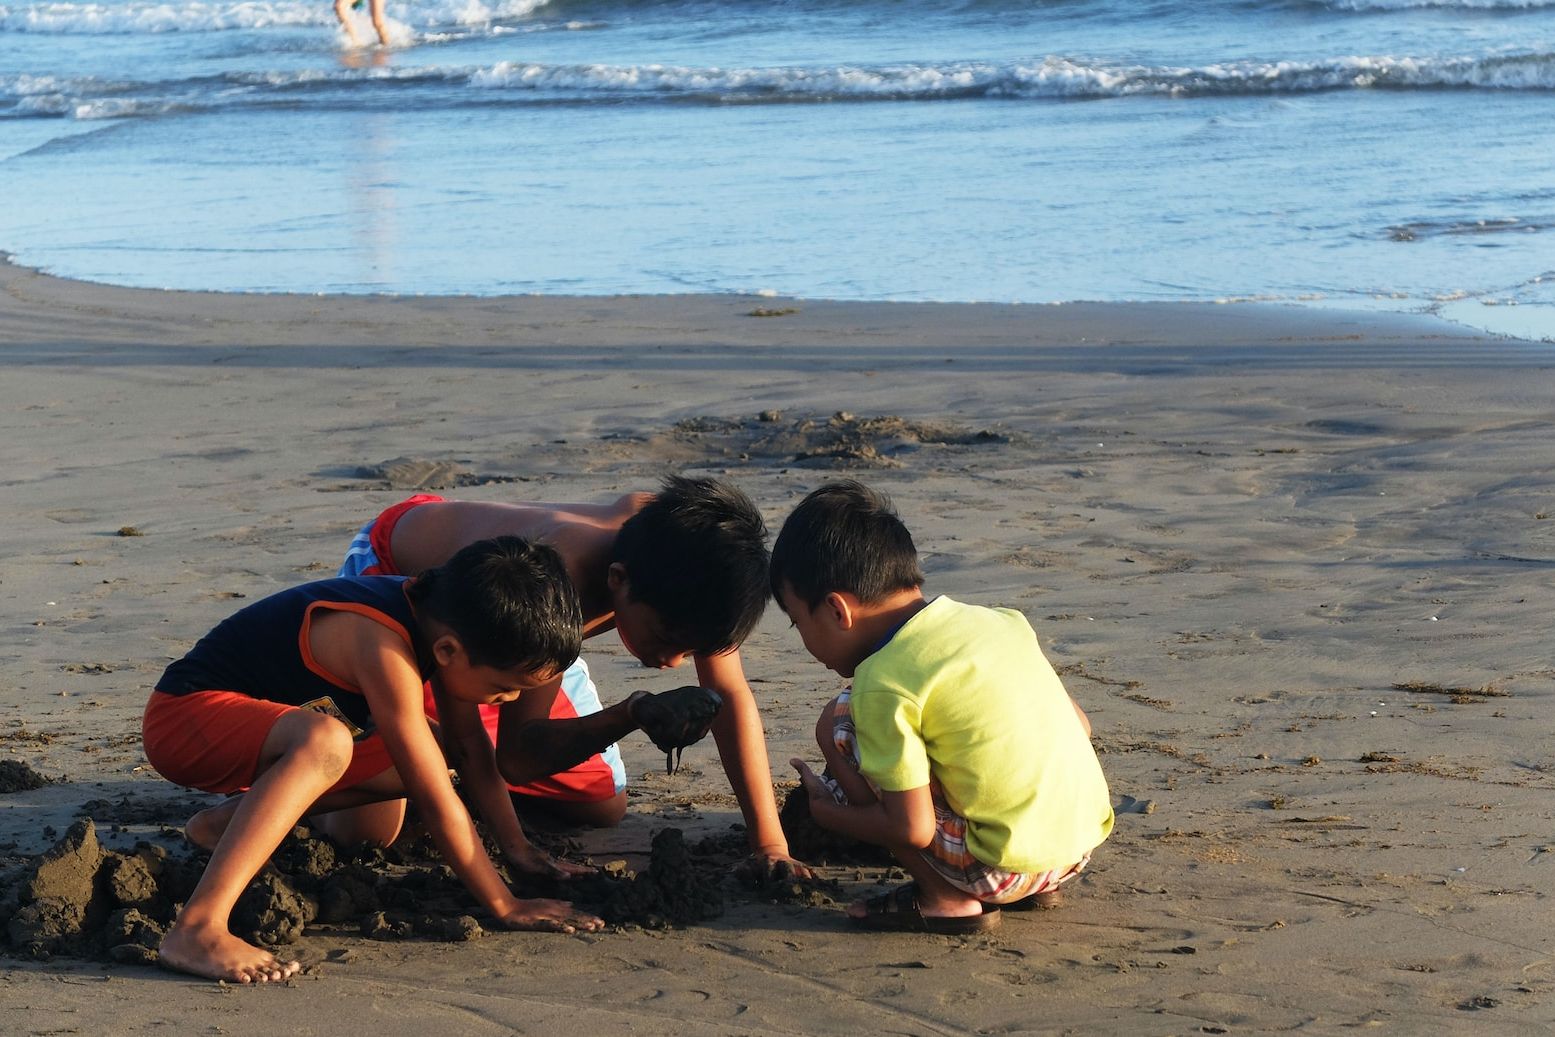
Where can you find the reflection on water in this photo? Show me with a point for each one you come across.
(369, 183)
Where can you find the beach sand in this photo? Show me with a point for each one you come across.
(1297, 566)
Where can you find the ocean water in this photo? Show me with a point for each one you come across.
(1380, 153)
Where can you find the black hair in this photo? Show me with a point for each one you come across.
(844, 537)
(509, 602)
(697, 555)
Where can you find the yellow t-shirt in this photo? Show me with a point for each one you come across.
(963, 693)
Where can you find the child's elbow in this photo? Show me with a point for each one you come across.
(919, 832)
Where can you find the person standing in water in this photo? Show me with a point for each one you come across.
(375, 12)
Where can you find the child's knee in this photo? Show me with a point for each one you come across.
(322, 740)
(823, 727)
(377, 824)
(826, 725)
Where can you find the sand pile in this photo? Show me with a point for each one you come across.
(18, 776)
(839, 440)
(80, 899)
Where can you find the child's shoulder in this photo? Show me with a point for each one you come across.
(945, 610)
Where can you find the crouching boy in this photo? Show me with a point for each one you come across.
(310, 702)
(957, 747)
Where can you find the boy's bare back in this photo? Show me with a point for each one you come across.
(581, 533)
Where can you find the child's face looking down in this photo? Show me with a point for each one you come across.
(823, 630)
(488, 685)
(641, 629)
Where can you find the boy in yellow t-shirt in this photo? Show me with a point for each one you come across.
(957, 747)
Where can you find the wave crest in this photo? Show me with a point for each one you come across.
(1052, 77)
(1368, 6)
(515, 83)
(152, 16)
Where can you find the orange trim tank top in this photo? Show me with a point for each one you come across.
(263, 650)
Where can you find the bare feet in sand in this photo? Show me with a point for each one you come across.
(216, 953)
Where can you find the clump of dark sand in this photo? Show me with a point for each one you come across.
(18, 776)
(81, 899)
(422, 473)
(809, 842)
(778, 884)
(842, 440)
(678, 888)
(76, 898)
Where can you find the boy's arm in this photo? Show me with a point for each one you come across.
(470, 753)
(742, 748)
(1085, 721)
(382, 666)
(530, 745)
(895, 819)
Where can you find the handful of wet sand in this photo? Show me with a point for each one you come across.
(676, 719)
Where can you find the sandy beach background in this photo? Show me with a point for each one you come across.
(1296, 565)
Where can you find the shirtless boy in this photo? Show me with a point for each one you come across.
(679, 573)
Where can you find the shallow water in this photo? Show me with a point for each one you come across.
(1388, 153)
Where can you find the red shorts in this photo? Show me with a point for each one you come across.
(211, 741)
(380, 534)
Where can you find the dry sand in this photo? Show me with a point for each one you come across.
(1296, 565)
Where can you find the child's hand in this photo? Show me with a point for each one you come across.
(760, 868)
(550, 916)
(814, 787)
(531, 860)
(675, 719)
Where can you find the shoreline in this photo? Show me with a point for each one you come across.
(40, 308)
(1294, 564)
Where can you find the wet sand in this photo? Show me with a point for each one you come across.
(1296, 565)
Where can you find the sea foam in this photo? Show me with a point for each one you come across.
(149, 16)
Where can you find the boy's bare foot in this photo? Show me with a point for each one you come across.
(218, 954)
(205, 828)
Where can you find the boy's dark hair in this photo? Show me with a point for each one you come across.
(509, 602)
(844, 537)
(697, 555)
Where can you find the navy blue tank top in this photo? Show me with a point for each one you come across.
(262, 649)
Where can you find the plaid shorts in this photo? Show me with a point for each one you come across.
(947, 854)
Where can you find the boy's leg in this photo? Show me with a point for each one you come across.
(302, 756)
(839, 746)
(366, 805)
(371, 811)
(562, 813)
(950, 882)
(937, 898)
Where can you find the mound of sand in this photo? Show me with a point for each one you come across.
(79, 899)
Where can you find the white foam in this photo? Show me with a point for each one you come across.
(162, 16)
(1052, 77)
(1414, 5)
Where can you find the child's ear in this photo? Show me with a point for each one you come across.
(839, 608)
(616, 577)
(447, 648)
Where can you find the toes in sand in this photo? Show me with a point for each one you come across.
(218, 954)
